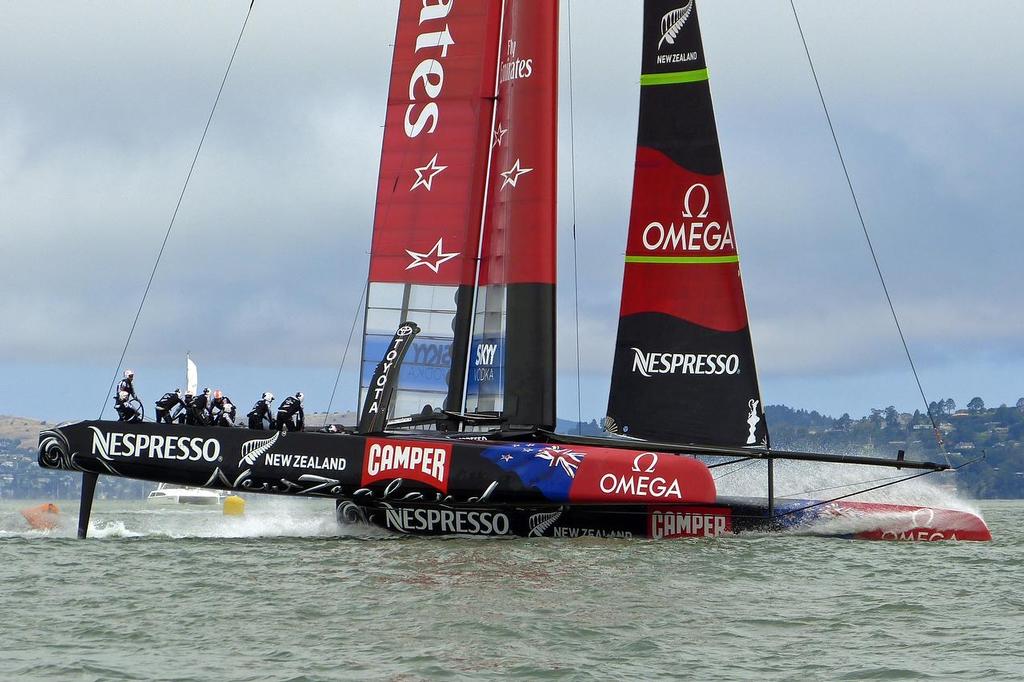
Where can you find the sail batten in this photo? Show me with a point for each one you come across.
(684, 365)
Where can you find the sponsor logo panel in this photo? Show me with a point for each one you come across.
(702, 227)
(672, 24)
(112, 444)
(650, 363)
(569, 532)
(614, 476)
(427, 79)
(461, 521)
(382, 375)
(689, 522)
(426, 462)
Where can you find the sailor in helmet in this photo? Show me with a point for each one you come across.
(290, 416)
(124, 397)
(261, 412)
(169, 407)
(222, 410)
(199, 409)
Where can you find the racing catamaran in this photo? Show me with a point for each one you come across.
(456, 434)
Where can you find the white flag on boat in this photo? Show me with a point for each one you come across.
(191, 376)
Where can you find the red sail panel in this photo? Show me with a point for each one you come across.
(684, 364)
(519, 236)
(434, 158)
(684, 216)
(512, 358)
(430, 195)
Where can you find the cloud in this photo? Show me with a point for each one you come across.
(100, 118)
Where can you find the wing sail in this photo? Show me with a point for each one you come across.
(430, 196)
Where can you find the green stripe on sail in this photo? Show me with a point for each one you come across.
(674, 77)
(685, 260)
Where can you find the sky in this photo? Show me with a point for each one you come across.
(102, 105)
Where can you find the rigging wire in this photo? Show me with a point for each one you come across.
(737, 469)
(575, 263)
(859, 492)
(867, 236)
(843, 485)
(344, 357)
(174, 215)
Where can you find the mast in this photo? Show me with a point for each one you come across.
(684, 364)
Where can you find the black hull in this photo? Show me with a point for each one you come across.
(562, 521)
(443, 486)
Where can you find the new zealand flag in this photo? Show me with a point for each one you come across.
(548, 468)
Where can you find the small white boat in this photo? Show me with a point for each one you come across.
(167, 493)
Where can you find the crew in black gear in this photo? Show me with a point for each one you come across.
(183, 416)
(199, 410)
(169, 407)
(261, 411)
(222, 410)
(126, 412)
(290, 416)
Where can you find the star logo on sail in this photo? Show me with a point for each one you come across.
(513, 174)
(498, 135)
(425, 174)
(432, 259)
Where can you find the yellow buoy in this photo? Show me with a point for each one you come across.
(234, 506)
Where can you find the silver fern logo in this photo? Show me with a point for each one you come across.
(252, 450)
(539, 523)
(673, 22)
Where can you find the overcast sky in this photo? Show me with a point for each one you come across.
(102, 105)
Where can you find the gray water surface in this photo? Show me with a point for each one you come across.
(282, 594)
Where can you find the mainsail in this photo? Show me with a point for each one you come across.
(512, 359)
(430, 196)
(684, 366)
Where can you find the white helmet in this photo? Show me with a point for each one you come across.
(268, 396)
(128, 374)
(299, 396)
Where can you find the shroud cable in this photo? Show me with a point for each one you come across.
(170, 226)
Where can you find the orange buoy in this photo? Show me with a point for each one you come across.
(42, 517)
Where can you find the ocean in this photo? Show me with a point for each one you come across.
(283, 594)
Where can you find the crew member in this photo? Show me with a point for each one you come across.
(199, 409)
(222, 410)
(187, 402)
(290, 416)
(169, 407)
(126, 412)
(261, 411)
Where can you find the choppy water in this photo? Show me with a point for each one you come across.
(183, 594)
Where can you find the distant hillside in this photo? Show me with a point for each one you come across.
(991, 438)
(21, 430)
